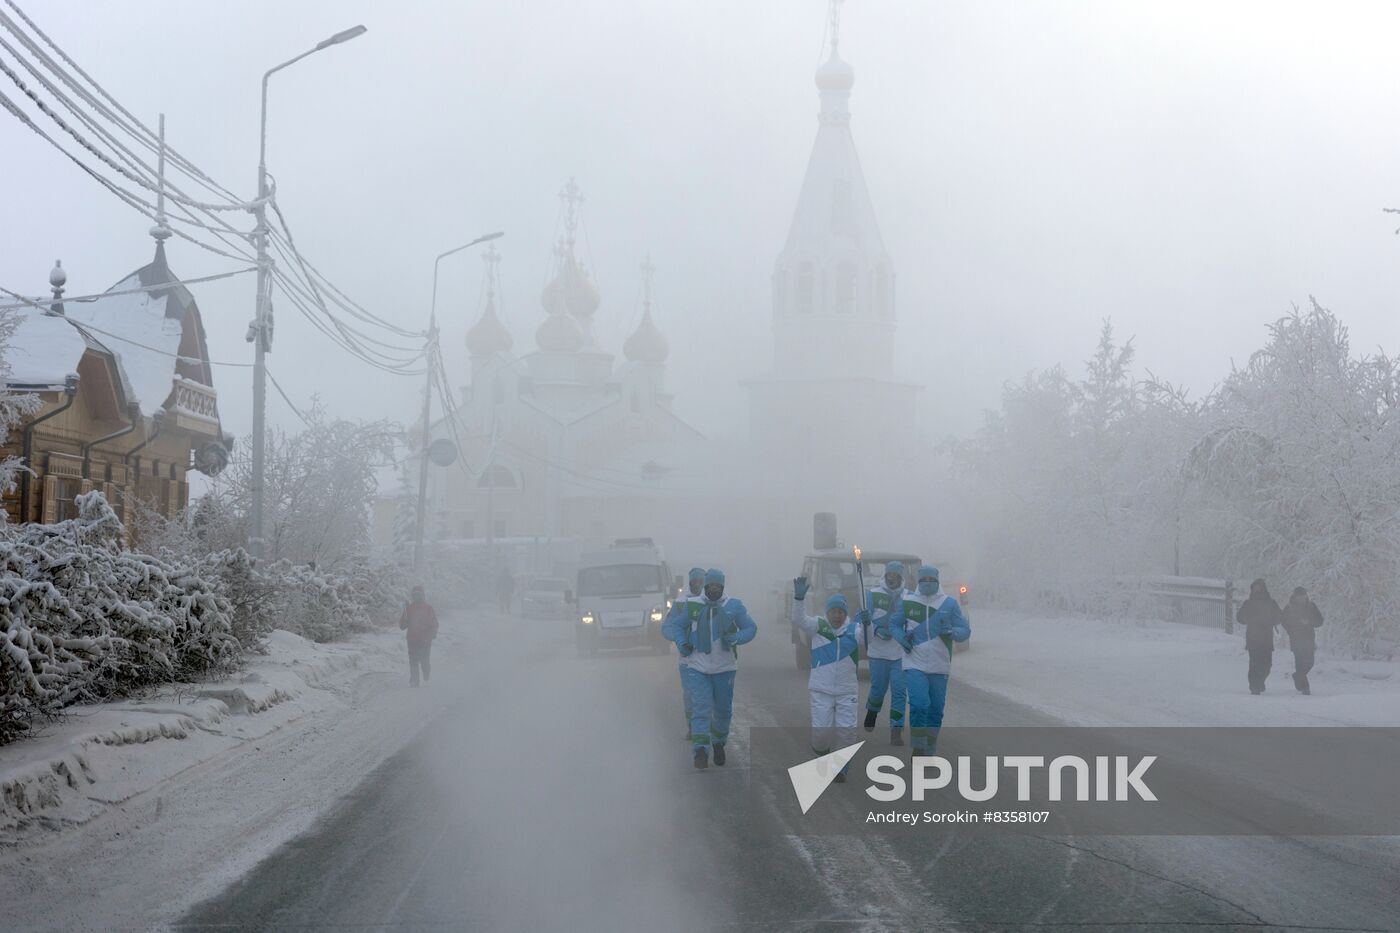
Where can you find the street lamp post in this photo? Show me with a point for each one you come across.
(428, 400)
(260, 331)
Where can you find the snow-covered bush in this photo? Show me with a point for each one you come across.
(82, 618)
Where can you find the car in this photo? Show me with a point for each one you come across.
(622, 596)
(546, 598)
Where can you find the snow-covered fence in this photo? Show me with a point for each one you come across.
(1192, 600)
(84, 619)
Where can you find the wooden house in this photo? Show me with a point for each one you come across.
(127, 396)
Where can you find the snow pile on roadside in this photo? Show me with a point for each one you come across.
(98, 755)
(1095, 673)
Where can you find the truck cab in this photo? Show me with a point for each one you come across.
(622, 595)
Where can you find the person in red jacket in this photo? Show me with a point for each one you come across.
(420, 622)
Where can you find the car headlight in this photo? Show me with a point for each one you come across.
(587, 618)
(657, 614)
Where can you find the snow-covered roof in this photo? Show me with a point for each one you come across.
(43, 350)
(139, 317)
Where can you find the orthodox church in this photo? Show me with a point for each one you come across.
(564, 440)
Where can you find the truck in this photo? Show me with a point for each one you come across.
(831, 568)
(621, 597)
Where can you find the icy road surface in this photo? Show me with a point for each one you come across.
(559, 794)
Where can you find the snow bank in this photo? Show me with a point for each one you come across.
(98, 755)
(1089, 672)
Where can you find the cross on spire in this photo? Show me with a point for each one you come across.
(648, 270)
(492, 259)
(834, 18)
(572, 198)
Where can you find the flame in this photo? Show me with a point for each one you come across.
(857, 550)
(962, 590)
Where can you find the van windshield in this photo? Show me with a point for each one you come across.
(621, 580)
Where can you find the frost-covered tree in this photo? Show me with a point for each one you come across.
(405, 521)
(1302, 458)
(14, 408)
(319, 487)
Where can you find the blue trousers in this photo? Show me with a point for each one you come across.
(711, 699)
(685, 701)
(927, 694)
(884, 674)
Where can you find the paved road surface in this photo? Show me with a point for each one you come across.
(560, 795)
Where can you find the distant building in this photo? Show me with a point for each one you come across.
(563, 441)
(127, 393)
(833, 313)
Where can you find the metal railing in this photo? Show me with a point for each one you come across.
(1191, 600)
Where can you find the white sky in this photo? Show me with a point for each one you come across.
(1189, 169)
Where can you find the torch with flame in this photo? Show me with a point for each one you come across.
(865, 614)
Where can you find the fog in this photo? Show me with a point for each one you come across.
(1087, 304)
(1189, 170)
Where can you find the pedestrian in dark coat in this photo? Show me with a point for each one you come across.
(505, 589)
(1301, 619)
(420, 623)
(1259, 615)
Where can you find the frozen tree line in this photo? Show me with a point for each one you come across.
(92, 610)
(1287, 470)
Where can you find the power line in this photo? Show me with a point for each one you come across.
(280, 391)
(37, 302)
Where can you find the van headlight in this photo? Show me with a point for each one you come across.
(657, 614)
(587, 618)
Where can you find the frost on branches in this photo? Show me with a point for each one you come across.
(1290, 470)
(82, 619)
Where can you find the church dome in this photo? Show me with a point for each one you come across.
(488, 335)
(552, 297)
(560, 333)
(579, 293)
(647, 344)
(835, 74)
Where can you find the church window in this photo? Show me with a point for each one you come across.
(636, 402)
(845, 288)
(805, 288)
(882, 292)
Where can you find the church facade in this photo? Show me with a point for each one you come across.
(564, 441)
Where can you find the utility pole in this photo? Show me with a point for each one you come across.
(260, 330)
(427, 435)
(431, 355)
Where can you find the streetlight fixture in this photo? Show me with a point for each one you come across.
(260, 331)
(420, 515)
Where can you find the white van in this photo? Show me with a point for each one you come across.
(622, 596)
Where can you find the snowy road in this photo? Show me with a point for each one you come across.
(558, 794)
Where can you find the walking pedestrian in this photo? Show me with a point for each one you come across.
(886, 656)
(420, 624)
(505, 590)
(927, 628)
(1301, 620)
(1259, 615)
(832, 688)
(708, 639)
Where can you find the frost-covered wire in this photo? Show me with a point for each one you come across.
(146, 136)
(106, 333)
